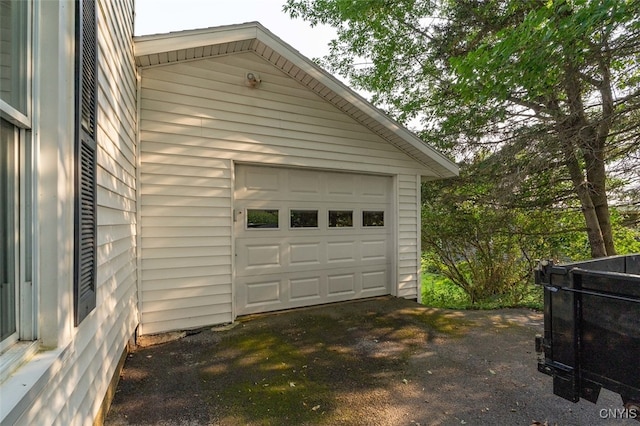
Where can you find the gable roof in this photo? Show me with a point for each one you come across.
(160, 49)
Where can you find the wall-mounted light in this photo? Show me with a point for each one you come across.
(253, 79)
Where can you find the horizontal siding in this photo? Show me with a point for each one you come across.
(75, 393)
(199, 117)
(116, 310)
(204, 106)
(408, 238)
(186, 245)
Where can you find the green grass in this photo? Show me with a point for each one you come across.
(439, 292)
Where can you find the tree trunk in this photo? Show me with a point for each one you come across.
(589, 184)
(580, 185)
(600, 134)
(596, 176)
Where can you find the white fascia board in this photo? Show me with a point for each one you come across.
(352, 97)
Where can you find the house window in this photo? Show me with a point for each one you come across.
(262, 219)
(372, 218)
(85, 261)
(8, 228)
(16, 289)
(304, 219)
(14, 56)
(340, 218)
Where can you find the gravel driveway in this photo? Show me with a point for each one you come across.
(383, 361)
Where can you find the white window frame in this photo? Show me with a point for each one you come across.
(22, 345)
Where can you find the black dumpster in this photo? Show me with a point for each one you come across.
(592, 328)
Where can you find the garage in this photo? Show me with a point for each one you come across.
(266, 183)
(305, 237)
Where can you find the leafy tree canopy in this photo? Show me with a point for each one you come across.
(547, 92)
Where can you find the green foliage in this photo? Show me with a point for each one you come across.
(487, 252)
(484, 253)
(547, 93)
(440, 292)
(627, 238)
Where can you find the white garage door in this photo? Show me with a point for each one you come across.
(308, 237)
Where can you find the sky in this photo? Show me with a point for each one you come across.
(162, 16)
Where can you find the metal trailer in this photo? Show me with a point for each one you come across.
(592, 328)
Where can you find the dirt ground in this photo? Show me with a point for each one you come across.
(383, 361)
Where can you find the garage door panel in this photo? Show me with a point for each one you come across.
(374, 187)
(341, 284)
(341, 251)
(262, 179)
(374, 249)
(279, 267)
(304, 182)
(304, 254)
(260, 256)
(374, 280)
(305, 288)
(341, 185)
(263, 293)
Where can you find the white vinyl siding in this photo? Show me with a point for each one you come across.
(205, 104)
(408, 236)
(197, 118)
(186, 240)
(77, 381)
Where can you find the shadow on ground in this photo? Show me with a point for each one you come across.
(383, 361)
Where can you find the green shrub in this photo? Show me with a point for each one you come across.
(440, 292)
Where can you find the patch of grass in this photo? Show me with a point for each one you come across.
(439, 292)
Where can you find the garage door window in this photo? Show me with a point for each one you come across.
(372, 218)
(304, 218)
(262, 219)
(340, 218)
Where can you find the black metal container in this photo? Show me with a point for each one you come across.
(592, 328)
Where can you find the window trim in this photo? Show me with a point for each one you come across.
(8, 111)
(14, 116)
(14, 221)
(22, 344)
(28, 318)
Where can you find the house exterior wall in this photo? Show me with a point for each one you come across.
(198, 118)
(66, 381)
(409, 240)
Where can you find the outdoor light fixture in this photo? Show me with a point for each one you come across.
(253, 79)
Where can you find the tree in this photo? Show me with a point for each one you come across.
(550, 87)
(488, 249)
